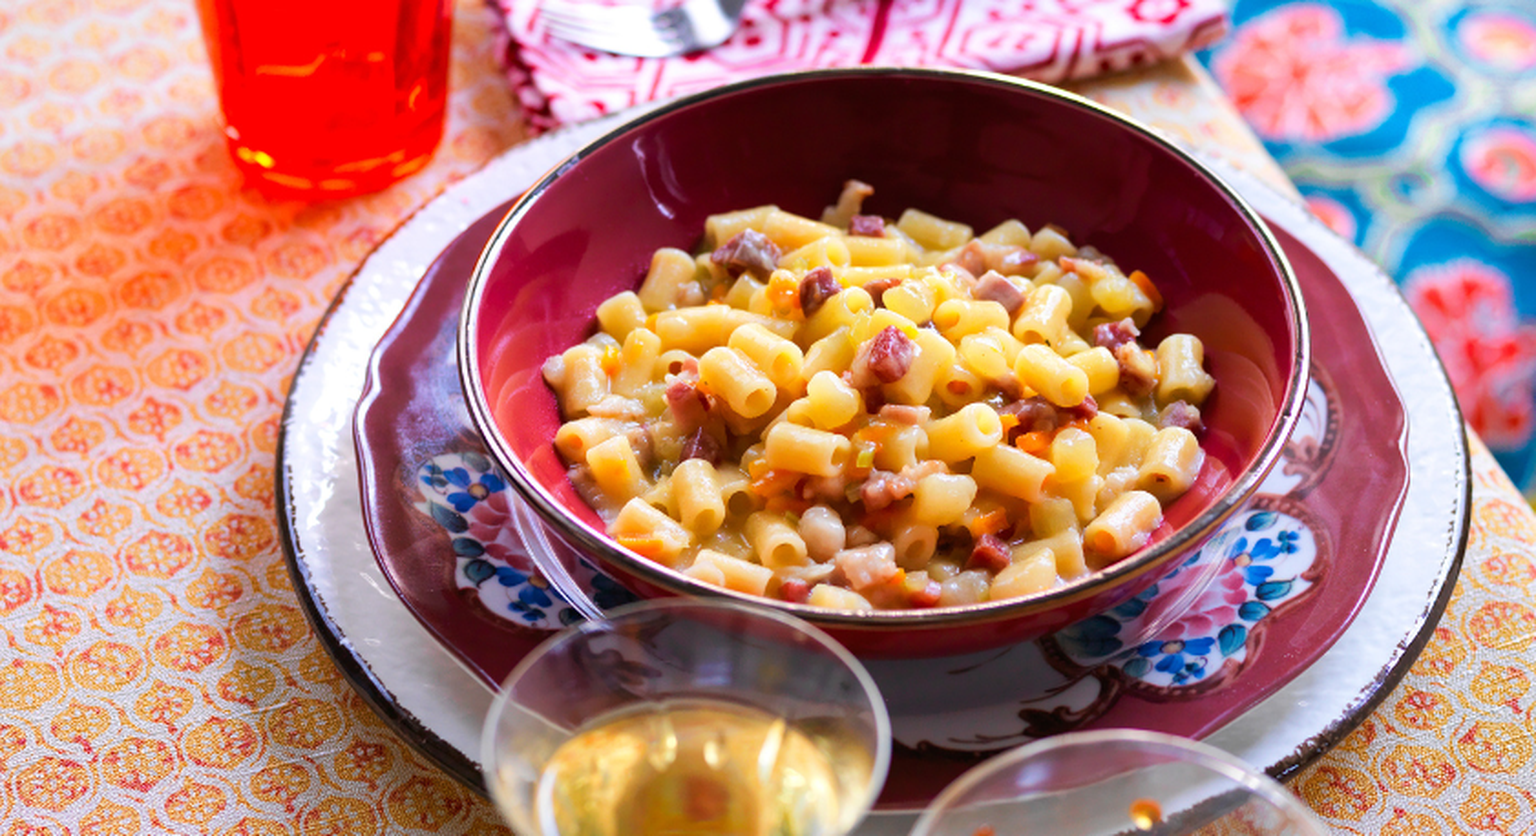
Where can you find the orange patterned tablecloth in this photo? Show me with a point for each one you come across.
(158, 674)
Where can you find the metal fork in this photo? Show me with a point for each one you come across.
(639, 30)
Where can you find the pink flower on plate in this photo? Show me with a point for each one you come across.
(1503, 161)
(490, 524)
(1469, 311)
(1214, 609)
(1295, 76)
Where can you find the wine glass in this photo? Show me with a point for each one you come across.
(1116, 781)
(687, 717)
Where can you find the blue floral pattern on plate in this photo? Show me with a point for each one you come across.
(465, 495)
(1262, 559)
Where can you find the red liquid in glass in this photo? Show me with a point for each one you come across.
(329, 98)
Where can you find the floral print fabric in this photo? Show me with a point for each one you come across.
(1410, 128)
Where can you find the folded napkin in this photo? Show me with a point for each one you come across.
(1046, 40)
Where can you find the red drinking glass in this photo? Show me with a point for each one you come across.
(329, 98)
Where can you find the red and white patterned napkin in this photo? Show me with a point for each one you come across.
(1047, 40)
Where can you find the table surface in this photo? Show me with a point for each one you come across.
(159, 674)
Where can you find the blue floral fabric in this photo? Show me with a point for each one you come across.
(1410, 128)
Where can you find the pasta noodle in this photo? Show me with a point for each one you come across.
(855, 412)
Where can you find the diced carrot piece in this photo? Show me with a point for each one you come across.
(991, 522)
(774, 482)
(610, 360)
(645, 545)
(1033, 442)
(1140, 279)
(784, 292)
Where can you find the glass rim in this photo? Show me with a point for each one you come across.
(879, 768)
(1205, 755)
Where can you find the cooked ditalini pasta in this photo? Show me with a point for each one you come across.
(932, 232)
(1099, 364)
(956, 318)
(637, 361)
(1044, 316)
(620, 314)
(615, 468)
(830, 402)
(1172, 462)
(1034, 572)
(975, 427)
(797, 449)
(1180, 360)
(1011, 471)
(775, 541)
(730, 572)
(857, 412)
(1050, 375)
(777, 357)
(671, 268)
(942, 498)
(1124, 526)
(639, 527)
(700, 503)
(575, 438)
(730, 374)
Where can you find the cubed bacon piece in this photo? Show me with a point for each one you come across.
(994, 287)
(1083, 411)
(795, 590)
(701, 445)
(972, 257)
(816, 288)
(689, 406)
(889, 355)
(874, 398)
(926, 597)
(1181, 414)
(1012, 261)
(882, 488)
(1138, 369)
(1034, 414)
(877, 288)
(989, 553)
(1112, 335)
(905, 414)
(869, 226)
(867, 567)
(748, 251)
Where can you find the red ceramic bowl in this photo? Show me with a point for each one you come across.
(972, 147)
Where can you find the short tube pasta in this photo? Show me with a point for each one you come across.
(700, 503)
(729, 373)
(1180, 359)
(1048, 373)
(805, 450)
(853, 414)
(778, 358)
(1124, 526)
(1172, 463)
(962, 435)
(775, 541)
